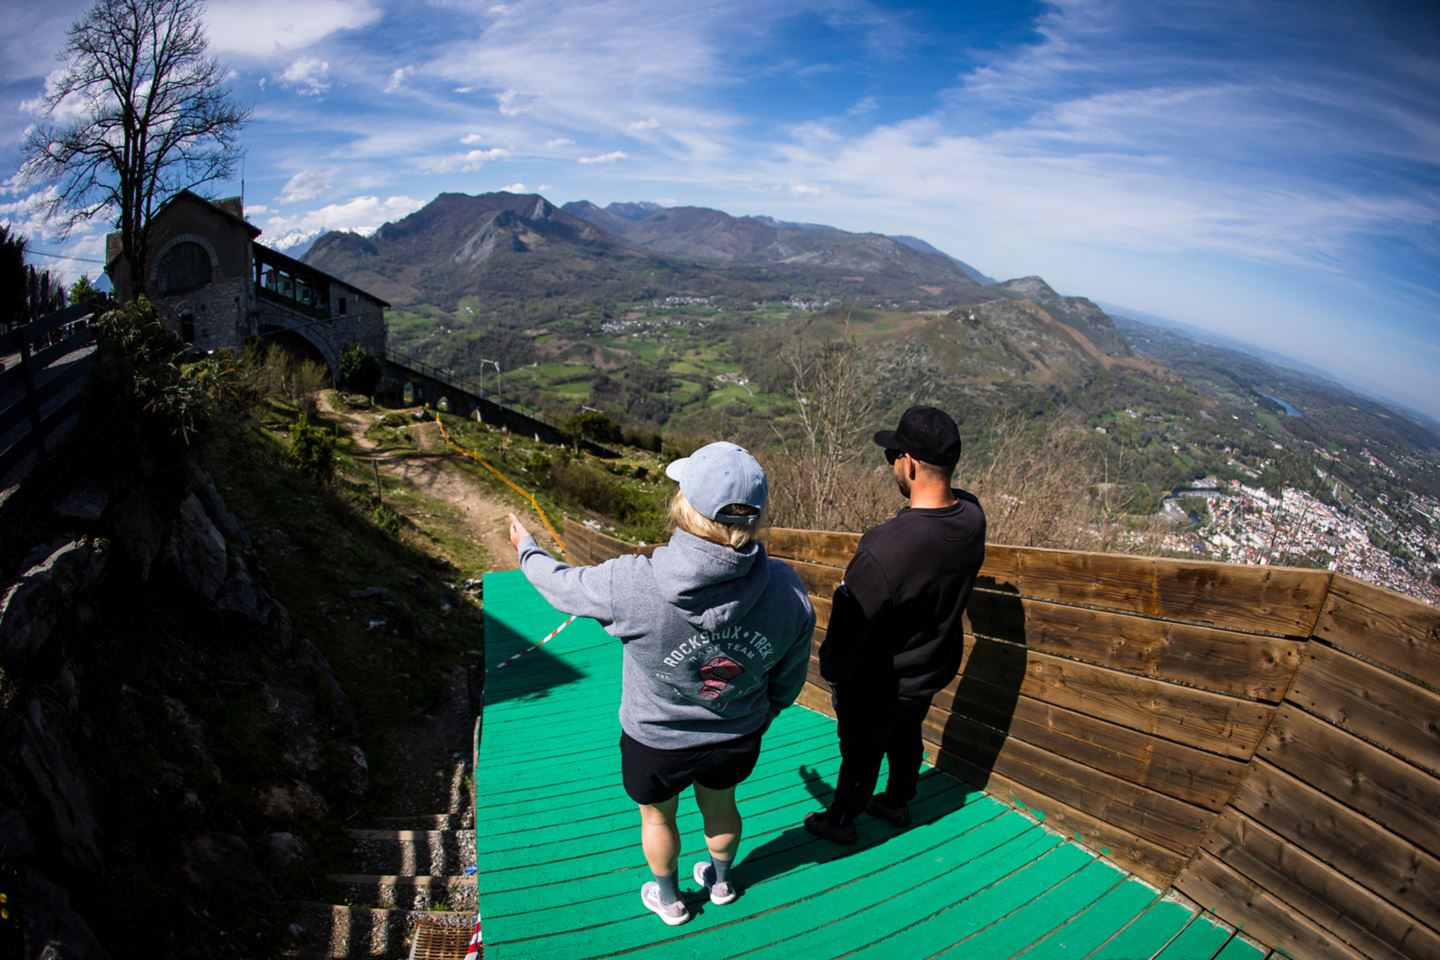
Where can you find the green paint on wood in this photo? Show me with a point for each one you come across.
(559, 862)
(1150, 931)
(1238, 949)
(1199, 941)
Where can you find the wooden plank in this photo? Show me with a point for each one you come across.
(1393, 868)
(1255, 667)
(11, 378)
(1322, 894)
(17, 412)
(1402, 797)
(822, 610)
(1149, 861)
(1261, 913)
(817, 698)
(1162, 820)
(11, 456)
(814, 546)
(1170, 768)
(1279, 600)
(1209, 721)
(1370, 703)
(1394, 630)
(819, 580)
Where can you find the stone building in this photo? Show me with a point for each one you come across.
(215, 286)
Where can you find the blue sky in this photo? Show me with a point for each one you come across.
(1267, 170)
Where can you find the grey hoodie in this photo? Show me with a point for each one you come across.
(717, 641)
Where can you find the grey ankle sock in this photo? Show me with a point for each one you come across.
(720, 869)
(669, 887)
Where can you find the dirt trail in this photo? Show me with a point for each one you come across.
(432, 471)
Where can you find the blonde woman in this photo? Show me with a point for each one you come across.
(716, 642)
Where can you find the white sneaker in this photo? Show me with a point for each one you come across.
(673, 914)
(720, 893)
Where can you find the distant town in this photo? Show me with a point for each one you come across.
(1245, 524)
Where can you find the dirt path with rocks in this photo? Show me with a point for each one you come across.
(432, 471)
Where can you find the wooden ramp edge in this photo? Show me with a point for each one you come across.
(559, 863)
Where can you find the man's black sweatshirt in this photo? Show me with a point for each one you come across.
(895, 624)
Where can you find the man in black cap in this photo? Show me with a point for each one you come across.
(895, 635)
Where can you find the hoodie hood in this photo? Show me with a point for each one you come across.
(709, 584)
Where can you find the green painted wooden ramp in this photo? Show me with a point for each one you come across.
(560, 869)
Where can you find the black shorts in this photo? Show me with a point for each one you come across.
(654, 776)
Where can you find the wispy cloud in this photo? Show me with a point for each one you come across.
(516, 187)
(640, 126)
(559, 142)
(398, 76)
(610, 157)
(263, 28)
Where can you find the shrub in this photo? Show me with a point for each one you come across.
(386, 520)
(594, 425)
(138, 366)
(312, 449)
(359, 371)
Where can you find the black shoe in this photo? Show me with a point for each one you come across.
(897, 815)
(820, 825)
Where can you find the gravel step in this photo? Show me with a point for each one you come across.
(433, 821)
(392, 891)
(332, 932)
(414, 852)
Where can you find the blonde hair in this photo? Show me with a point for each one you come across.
(684, 516)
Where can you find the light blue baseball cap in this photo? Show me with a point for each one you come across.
(721, 475)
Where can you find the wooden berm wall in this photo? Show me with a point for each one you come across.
(1265, 740)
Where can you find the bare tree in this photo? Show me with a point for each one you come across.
(833, 398)
(145, 113)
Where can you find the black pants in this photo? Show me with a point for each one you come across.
(870, 731)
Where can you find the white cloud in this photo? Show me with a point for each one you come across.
(516, 187)
(467, 162)
(804, 190)
(361, 215)
(610, 157)
(68, 110)
(512, 103)
(464, 90)
(560, 142)
(470, 138)
(263, 28)
(639, 126)
(398, 76)
(309, 76)
(307, 185)
(255, 209)
(542, 188)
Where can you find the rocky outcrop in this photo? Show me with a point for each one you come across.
(90, 711)
(58, 575)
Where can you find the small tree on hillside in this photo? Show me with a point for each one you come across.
(82, 290)
(359, 371)
(147, 114)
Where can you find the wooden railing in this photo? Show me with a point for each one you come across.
(1265, 740)
(42, 369)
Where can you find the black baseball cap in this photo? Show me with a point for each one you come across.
(927, 434)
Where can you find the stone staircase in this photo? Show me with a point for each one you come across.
(407, 876)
